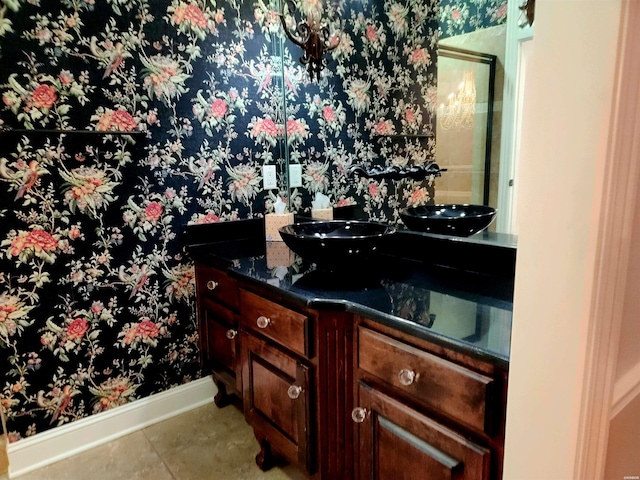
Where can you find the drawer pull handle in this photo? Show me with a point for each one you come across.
(359, 414)
(263, 322)
(294, 391)
(406, 377)
(231, 334)
(211, 285)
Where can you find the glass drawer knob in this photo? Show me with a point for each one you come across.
(211, 285)
(263, 322)
(231, 334)
(294, 391)
(359, 414)
(406, 377)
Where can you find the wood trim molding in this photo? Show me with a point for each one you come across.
(625, 390)
(62, 442)
(619, 173)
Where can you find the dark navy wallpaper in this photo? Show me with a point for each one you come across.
(96, 292)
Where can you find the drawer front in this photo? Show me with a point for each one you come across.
(285, 326)
(434, 382)
(213, 283)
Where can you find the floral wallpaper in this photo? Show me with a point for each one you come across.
(184, 102)
(457, 17)
(171, 108)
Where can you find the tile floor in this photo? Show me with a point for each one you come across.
(204, 444)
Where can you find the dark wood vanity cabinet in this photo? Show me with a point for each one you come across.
(343, 397)
(217, 307)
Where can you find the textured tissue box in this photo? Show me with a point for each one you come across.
(322, 213)
(279, 255)
(273, 222)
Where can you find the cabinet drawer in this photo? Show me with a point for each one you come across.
(285, 326)
(434, 382)
(213, 283)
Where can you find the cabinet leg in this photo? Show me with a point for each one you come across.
(222, 398)
(265, 459)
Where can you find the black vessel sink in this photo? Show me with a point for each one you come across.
(454, 219)
(335, 243)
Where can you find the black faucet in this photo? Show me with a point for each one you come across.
(416, 172)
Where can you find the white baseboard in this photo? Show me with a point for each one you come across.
(65, 441)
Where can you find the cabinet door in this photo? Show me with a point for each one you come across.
(220, 334)
(396, 442)
(276, 399)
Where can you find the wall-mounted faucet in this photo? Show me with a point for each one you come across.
(416, 172)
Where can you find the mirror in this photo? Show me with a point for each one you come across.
(376, 102)
(471, 59)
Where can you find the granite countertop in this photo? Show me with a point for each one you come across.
(466, 311)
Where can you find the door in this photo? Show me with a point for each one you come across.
(220, 335)
(276, 399)
(396, 442)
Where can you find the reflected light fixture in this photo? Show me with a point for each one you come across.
(460, 109)
(313, 34)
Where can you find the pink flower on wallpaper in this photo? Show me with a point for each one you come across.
(420, 57)
(410, 115)
(371, 33)
(38, 240)
(153, 211)
(77, 328)
(501, 12)
(374, 191)
(190, 14)
(208, 218)
(419, 197)
(329, 114)
(87, 188)
(147, 329)
(219, 108)
(8, 98)
(123, 121)
(96, 307)
(265, 126)
(74, 233)
(44, 96)
(65, 77)
(112, 393)
(295, 128)
(384, 127)
(345, 202)
(6, 310)
(117, 120)
(183, 282)
(455, 14)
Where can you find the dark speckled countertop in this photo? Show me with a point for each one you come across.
(465, 311)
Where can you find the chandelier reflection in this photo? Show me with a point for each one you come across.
(315, 35)
(460, 109)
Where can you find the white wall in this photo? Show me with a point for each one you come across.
(565, 129)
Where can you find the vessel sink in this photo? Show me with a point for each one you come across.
(335, 243)
(454, 219)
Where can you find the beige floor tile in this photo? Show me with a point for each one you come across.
(212, 444)
(207, 443)
(131, 457)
